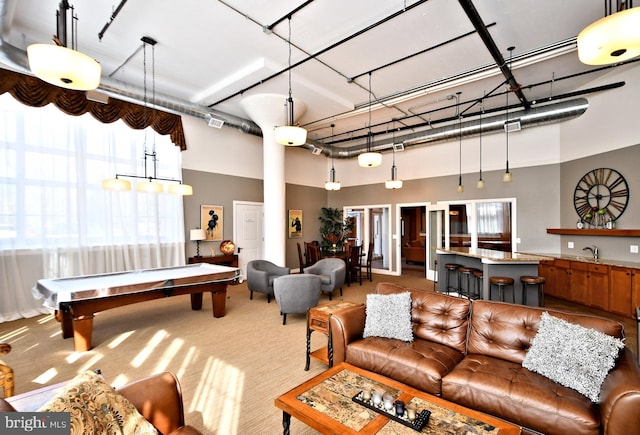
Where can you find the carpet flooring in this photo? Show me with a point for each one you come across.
(231, 368)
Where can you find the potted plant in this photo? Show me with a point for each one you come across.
(333, 229)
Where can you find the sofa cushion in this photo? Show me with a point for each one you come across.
(572, 355)
(420, 364)
(95, 407)
(389, 316)
(511, 392)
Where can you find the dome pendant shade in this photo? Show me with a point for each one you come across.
(612, 39)
(290, 135)
(64, 67)
(149, 186)
(181, 189)
(369, 159)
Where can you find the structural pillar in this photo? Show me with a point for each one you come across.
(269, 111)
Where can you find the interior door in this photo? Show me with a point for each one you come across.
(437, 235)
(248, 232)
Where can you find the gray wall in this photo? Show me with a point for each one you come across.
(309, 200)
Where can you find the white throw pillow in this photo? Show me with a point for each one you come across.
(389, 316)
(572, 355)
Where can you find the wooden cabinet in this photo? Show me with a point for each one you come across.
(547, 270)
(598, 286)
(625, 289)
(562, 278)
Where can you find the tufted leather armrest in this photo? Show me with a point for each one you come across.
(620, 396)
(346, 326)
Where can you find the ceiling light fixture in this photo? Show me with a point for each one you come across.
(394, 182)
(480, 183)
(612, 39)
(290, 135)
(61, 66)
(369, 159)
(332, 184)
(152, 183)
(507, 177)
(460, 187)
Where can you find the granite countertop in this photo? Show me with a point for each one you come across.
(603, 261)
(494, 256)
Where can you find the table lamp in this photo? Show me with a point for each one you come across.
(197, 235)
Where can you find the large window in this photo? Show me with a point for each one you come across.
(55, 219)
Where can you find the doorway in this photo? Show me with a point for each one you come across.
(412, 240)
(372, 223)
(248, 232)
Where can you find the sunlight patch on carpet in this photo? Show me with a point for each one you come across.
(142, 356)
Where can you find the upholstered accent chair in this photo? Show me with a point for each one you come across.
(260, 277)
(332, 272)
(297, 293)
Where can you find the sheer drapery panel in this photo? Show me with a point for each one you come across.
(55, 219)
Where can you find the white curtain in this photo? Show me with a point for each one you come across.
(55, 219)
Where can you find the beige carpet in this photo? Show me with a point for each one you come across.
(231, 369)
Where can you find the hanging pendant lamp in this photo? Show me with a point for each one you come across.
(61, 66)
(370, 158)
(612, 39)
(332, 184)
(507, 177)
(290, 135)
(460, 187)
(480, 183)
(151, 183)
(394, 182)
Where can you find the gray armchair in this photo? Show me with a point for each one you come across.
(296, 293)
(260, 277)
(332, 272)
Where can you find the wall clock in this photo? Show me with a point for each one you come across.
(601, 195)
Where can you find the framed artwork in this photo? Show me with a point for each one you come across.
(295, 224)
(211, 220)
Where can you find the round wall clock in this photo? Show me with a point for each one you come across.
(600, 195)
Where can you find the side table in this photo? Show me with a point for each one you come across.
(318, 320)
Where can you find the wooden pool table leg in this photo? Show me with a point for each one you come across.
(219, 300)
(82, 331)
(196, 301)
(64, 317)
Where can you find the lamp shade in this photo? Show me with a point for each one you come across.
(332, 185)
(181, 189)
(197, 234)
(149, 187)
(64, 67)
(612, 39)
(290, 135)
(393, 184)
(369, 159)
(507, 177)
(116, 184)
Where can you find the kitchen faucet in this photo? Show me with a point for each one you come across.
(594, 251)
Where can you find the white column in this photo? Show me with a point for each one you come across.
(268, 111)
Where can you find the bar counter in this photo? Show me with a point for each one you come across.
(493, 263)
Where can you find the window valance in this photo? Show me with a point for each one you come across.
(34, 92)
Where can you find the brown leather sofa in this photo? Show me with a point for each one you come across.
(471, 353)
(415, 251)
(158, 398)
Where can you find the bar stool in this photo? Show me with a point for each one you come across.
(464, 275)
(452, 268)
(502, 282)
(478, 276)
(537, 281)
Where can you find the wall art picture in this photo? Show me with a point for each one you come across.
(295, 224)
(211, 220)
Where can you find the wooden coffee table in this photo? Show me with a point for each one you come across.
(325, 404)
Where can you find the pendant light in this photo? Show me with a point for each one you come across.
(394, 183)
(460, 187)
(61, 66)
(507, 177)
(152, 181)
(369, 159)
(612, 39)
(480, 184)
(332, 184)
(290, 135)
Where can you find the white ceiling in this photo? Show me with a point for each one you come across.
(210, 51)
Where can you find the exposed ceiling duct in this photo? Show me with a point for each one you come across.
(16, 59)
(535, 117)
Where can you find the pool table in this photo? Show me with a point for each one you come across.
(76, 299)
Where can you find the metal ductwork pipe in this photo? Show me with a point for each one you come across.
(534, 117)
(16, 59)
